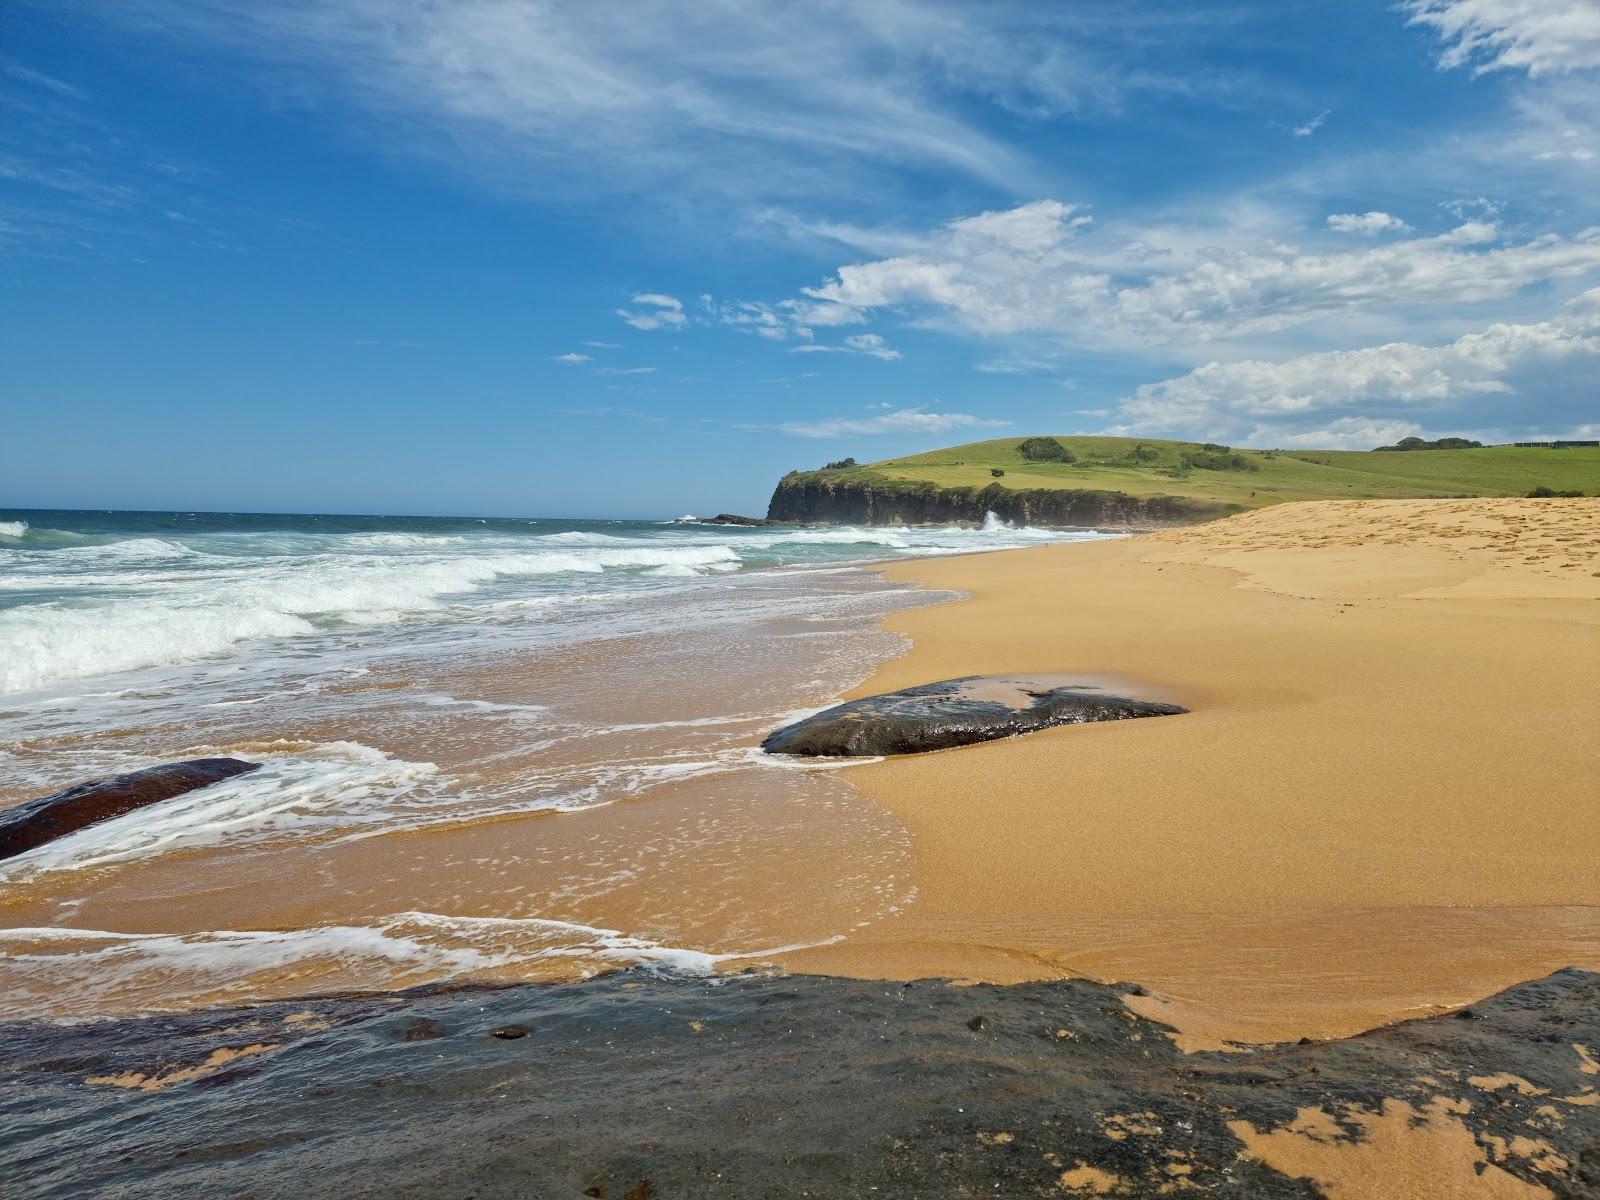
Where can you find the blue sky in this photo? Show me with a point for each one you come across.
(614, 259)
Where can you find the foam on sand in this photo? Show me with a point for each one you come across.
(89, 972)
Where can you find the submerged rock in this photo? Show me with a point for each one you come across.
(957, 712)
(35, 822)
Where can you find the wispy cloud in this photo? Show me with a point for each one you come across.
(656, 311)
(1537, 36)
(1349, 397)
(624, 370)
(759, 98)
(1041, 269)
(1307, 128)
(904, 420)
(28, 75)
(870, 344)
(571, 358)
(603, 410)
(1367, 224)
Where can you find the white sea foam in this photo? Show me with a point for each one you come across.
(45, 971)
(298, 791)
(13, 529)
(401, 541)
(45, 643)
(177, 617)
(100, 607)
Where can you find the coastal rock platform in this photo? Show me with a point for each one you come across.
(36, 822)
(957, 712)
(633, 1086)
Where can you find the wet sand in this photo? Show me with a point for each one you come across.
(1385, 802)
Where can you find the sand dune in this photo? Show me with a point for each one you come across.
(1385, 801)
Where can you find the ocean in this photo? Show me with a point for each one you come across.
(493, 748)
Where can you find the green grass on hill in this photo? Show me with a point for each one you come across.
(1269, 476)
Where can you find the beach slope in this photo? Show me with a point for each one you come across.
(1384, 802)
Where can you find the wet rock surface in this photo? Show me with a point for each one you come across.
(957, 712)
(736, 519)
(36, 822)
(759, 1086)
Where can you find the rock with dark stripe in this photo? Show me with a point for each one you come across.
(957, 712)
(35, 822)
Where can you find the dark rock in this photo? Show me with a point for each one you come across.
(735, 519)
(956, 712)
(849, 1088)
(820, 498)
(422, 1029)
(35, 822)
(507, 1033)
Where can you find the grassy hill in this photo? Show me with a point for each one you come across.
(1145, 467)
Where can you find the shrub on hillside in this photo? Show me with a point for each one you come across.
(1045, 449)
(1208, 460)
(996, 472)
(840, 465)
(1444, 443)
(1541, 492)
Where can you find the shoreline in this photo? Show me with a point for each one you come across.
(1379, 861)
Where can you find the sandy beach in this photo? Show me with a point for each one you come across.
(1382, 805)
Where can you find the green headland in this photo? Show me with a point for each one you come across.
(1165, 480)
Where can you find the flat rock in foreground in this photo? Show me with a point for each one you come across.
(957, 712)
(634, 1086)
(35, 822)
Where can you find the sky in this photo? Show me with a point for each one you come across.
(624, 259)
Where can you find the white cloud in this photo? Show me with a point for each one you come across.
(572, 359)
(904, 420)
(1505, 377)
(1367, 224)
(624, 370)
(776, 323)
(754, 97)
(1314, 124)
(604, 345)
(1042, 268)
(870, 344)
(1348, 433)
(660, 312)
(1537, 36)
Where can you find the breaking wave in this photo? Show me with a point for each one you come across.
(181, 588)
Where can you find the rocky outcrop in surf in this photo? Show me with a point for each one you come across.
(36, 822)
(635, 1085)
(956, 712)
(833, 498)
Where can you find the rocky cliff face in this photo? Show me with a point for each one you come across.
(812, 498)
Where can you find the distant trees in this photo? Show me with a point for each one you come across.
(840, 465)
(1444, 443)
(996, 472)
(1218, 458)
(1045, 449)
(1541, 493)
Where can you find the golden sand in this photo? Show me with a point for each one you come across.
(1386, 800)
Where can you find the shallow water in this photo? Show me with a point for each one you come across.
(492, 749)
